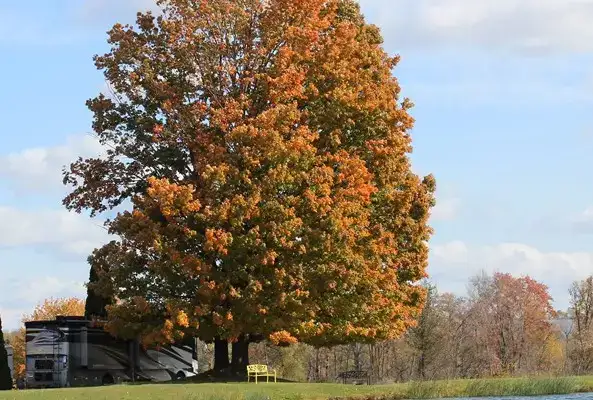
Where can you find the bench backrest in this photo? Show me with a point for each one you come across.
(353, 374)
(258, 368)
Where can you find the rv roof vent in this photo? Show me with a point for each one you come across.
(69, 318)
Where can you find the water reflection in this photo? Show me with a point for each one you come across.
(581, 396)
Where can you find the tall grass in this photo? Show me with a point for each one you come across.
(494, 387)
(484, 388)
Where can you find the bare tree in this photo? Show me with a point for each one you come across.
(581, 299)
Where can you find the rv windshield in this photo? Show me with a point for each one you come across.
(47, 363)
(44, 364)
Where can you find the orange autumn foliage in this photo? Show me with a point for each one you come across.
(282, 338)
(51, 308)
(264, 146)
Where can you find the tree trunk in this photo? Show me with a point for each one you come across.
(422, 366)
(357, 350)
(240, 356)
(221, 355)
(317, 369)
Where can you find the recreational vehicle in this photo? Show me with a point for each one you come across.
(72, 351)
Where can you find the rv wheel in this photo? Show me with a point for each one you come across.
(107, 380)
(180, 376)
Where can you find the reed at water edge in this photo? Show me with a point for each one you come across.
(485, 388)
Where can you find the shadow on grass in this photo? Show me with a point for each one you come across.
(212, 376)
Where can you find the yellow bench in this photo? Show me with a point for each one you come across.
(257, 370)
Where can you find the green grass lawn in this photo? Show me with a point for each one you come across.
(200, 391)
(305, 391)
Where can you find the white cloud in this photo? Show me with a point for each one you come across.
(23, 296)
(451, 252)
(532, 26)
(491, 89)
(35, 291)
(446, 209)
(11, 318)
(78, 24)
(526, 26)
(588, 214)
(40, 168)
(114, 10)
(452, 264)
(65, 231)
(583, 223)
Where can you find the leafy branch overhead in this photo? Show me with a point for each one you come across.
(264, 146)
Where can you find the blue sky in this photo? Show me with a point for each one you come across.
(503, 92)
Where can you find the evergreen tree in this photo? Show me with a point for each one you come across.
(95, 304)
(5, 378)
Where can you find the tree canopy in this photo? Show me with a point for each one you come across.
(264, 146)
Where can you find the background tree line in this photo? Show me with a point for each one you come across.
(504, 326)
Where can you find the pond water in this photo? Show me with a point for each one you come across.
(582, 396)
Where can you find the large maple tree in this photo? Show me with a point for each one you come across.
(264, 147)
